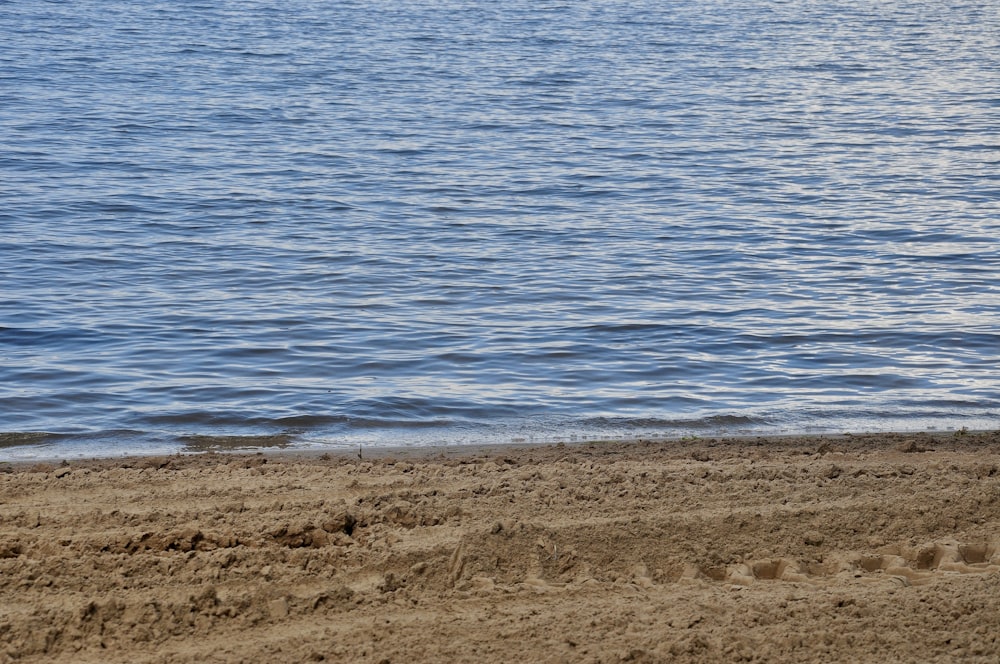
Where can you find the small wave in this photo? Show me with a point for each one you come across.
(303, 422)
(21, 438)
(207, 443)
(709, 422)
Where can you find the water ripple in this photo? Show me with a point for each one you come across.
(460, 221)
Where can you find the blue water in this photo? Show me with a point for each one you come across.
(461, 221)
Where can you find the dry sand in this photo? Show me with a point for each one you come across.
(847, 548)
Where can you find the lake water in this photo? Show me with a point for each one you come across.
(331, 224)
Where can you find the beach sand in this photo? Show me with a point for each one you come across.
(882, 547)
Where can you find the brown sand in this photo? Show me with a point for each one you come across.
(848, 548)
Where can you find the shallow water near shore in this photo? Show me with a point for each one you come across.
(343, 224)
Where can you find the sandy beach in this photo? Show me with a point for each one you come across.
(882, 547)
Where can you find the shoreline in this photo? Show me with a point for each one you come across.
(782, 549)
(276, 446)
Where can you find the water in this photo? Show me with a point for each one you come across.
(325, 224)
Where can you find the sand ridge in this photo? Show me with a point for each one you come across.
(848, 548)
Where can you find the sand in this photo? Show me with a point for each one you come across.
(846, 548)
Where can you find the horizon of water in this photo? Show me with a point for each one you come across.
(323, 225)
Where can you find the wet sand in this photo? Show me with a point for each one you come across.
(801, 549)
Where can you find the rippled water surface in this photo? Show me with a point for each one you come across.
(460, 221)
